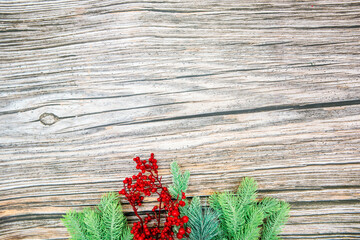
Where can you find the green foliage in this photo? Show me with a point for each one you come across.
(203, 221)
(269, 206)
(92, 222)
(275, 221)
(247, 191)
(126, 235)
(180, 180)
(113, 221)
(232, 216)
(74, 222)
(231, 212)
(106, 222)
(253, 219)
(242, 216)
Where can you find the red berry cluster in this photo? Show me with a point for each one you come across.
(145, 183)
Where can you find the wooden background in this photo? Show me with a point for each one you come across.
(230, 88)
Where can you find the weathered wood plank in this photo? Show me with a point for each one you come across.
(228, 89)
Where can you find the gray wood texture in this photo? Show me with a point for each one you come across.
(233, 88)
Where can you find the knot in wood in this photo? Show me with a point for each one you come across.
(48, 118)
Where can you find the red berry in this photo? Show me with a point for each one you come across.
(140, 185)
(175, 213)
(185, 219)
(188, 230)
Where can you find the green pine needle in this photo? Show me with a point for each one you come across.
(74, 222)
(180, 180)
(269, 206)
(254, 218)
(242, 216)
(93, 224)
(231, 208)
(126, 235)
(275, 221)
(203, 222)
(231, 214)
(107, 222)
(113, 221)
(247, 191)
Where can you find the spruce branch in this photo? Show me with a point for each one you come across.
(126, 235)
(180, 180)
(92, 222)
(113, 220)
(242, 216)
(74, 222)
(247, 191)
(269, 206)
(203, 221)
(275, 221)
(254, 218)
(233, 215)
(106, 222)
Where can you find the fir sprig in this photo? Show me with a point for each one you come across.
(180, 180)
(247, 191)
(126, 235)
(233, 216)
(203, 221)
(74, 222)
(231, 212)
(242, 216)
(253, 219)
(106, 222)
(275, 221)
(269, 206)
(93, 223)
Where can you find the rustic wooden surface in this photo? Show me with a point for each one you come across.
(268, 89)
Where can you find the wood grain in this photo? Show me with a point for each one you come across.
(267, 89)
